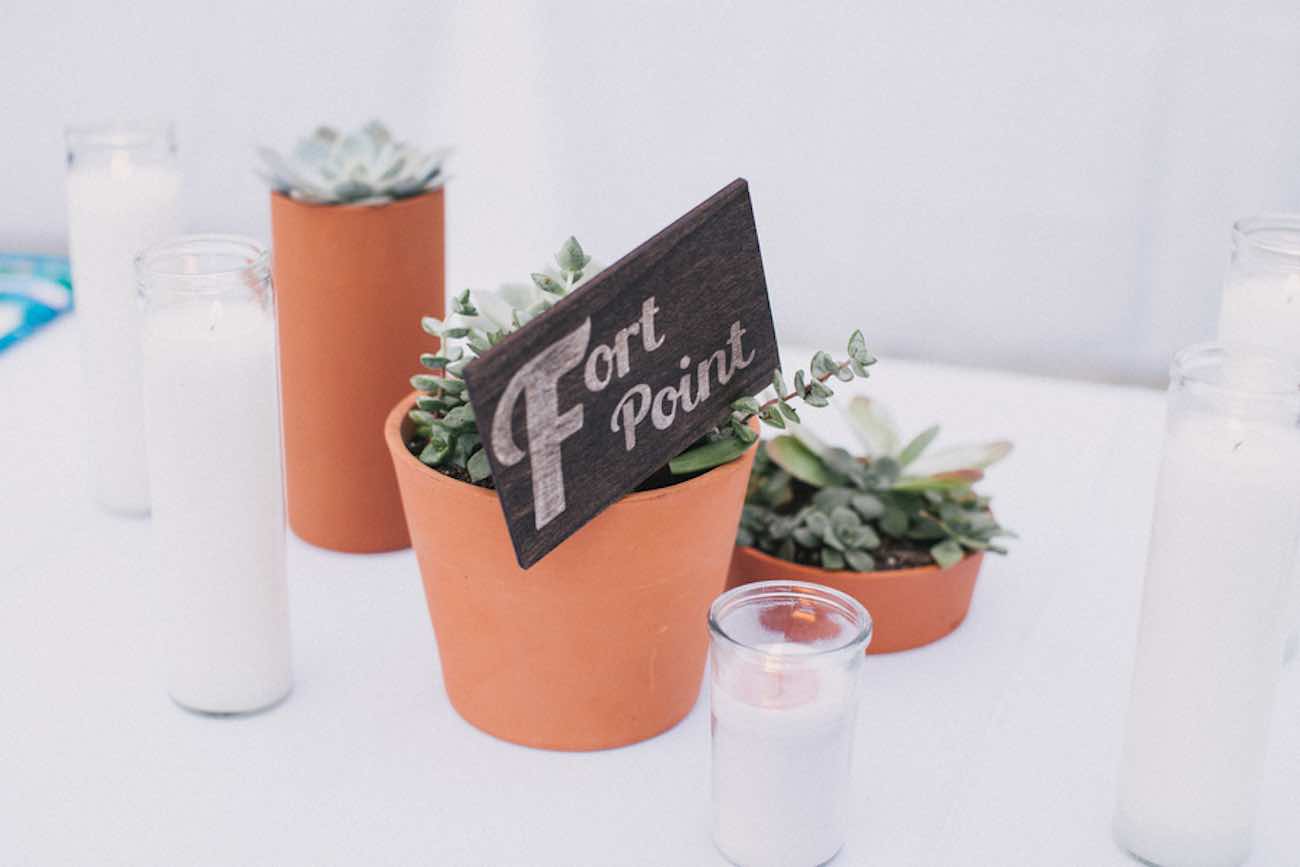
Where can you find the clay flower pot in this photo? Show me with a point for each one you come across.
(909, 607)
(603, 641)
(351, 282)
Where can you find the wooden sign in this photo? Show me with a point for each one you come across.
(625, 373)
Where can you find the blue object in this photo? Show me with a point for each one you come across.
(34, 290)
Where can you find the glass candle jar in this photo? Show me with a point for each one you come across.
(786, 661)
(1221, 556)
(212, 411)
(123, 189)
(1261, 306)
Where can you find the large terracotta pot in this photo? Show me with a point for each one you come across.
(602, 642)
(351, 285)
(909, 607)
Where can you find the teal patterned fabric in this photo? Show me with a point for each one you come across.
(34, 290)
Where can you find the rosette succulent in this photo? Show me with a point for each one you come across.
(365, 167)
(896, 505)
(446, 435)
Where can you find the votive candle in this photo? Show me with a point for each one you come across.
(1261, 307)
(786, 660)
(123, 189)
(1222, 552)
(215, 469)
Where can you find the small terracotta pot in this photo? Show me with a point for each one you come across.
(351, 283)
(602, 642)
(909, 607)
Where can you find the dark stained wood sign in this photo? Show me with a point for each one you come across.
(624, 373)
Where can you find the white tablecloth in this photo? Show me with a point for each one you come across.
(995, 746)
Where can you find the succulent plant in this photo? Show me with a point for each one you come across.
(446, 434)
(893, 506)
(365, 167)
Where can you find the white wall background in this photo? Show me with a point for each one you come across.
(1040, 186)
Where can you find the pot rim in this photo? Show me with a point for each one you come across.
(397, 445)
(405, 201)
(877, 575)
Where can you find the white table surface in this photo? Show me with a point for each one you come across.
(995, 746)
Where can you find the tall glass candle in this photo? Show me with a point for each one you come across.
(786, 660)
(123, 187)
(212, 409)
(1261, 306)
(1222, 551)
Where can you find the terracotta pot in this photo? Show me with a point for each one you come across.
(351, 284)
(909, 607)
(602, 642)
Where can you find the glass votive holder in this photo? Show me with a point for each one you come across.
(1261, 307)
(1220, 562)
(123, 189)
(786, 662)
(212, 412)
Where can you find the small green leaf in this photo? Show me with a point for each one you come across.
(421, 417)
(432, 325)
(806, 538)
(816, 400)
(430, 404)
(788, 412)
(459, 418)
(894, 521)
(832, 559)
(947, 553)
(478, 466)
(707, 456)
(449, 385)
(919, 443)
(425, 382)
(746, 405)
(455, 333)
(868, 506)
(799, 461)
(571, 256)
(435, 451)
(822, 363)
(859, 561)
(547, 283)
(771, 415)
(858, 350)
(434, 362)
(778, 383)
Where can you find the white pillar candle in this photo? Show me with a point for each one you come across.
(212, 410)
(1222, 550)
(123, 189)
(1261, 307)
(786, 664)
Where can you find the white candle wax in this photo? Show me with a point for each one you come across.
(782, 755)
(211, 399)
(1222, 549)
(114, 211)
(1264, 310)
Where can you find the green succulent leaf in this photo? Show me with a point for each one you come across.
(791, 455)
(707, 456)
(478, 466)
(947, 553)
(571, 256)
(919, 444)
(869, 506)
(859, 561)
(832, 559)
(547, 283)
